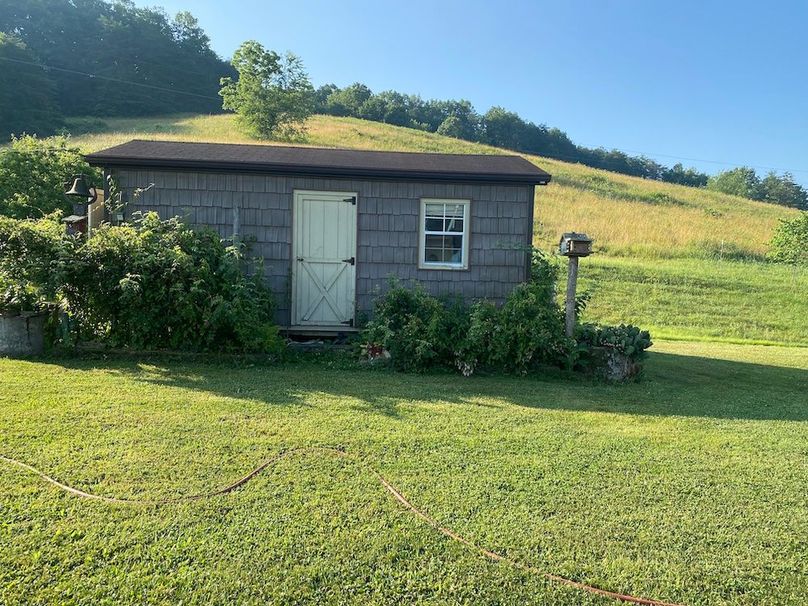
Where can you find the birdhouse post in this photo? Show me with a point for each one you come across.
(574, 246)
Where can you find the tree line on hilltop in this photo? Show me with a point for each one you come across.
(48, 48)
(111, 58)
(497, 127)
(506, 129)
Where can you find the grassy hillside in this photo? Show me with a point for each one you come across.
(682, 261)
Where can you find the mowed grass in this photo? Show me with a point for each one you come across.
(688, 487)
(686, 262)
(709, 300)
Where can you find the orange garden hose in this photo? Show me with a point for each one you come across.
(382, 480)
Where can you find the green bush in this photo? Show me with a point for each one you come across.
(790, 241)
(420, 331)
(19, 297)
(527, 331)
(30, 259)
(161, 284)
(625, 339)
(151, 284)
(33, 173)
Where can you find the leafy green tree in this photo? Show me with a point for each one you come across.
(502, 128)
(27, 93)
(373, 109)
(396, 108)
(272, 96)
(466, 123)
(429, 115)
(321, 96)
(679, 174)
(452, 127)
(33, 173)
(539, 139)
(169, 61)
(650, 168)
(783, 190)
(742, 181)
(349, 100)
(186, 31)
(560, 146)
(789, 243)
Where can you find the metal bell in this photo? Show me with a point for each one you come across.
(80, 189)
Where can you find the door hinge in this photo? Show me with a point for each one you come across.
(352, 260)
(352, 200)
(348, 322)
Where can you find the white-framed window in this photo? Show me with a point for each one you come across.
(444, 237)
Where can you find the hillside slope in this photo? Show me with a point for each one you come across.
(684, 262)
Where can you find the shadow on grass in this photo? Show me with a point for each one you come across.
(674, 385)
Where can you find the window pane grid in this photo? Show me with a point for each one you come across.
(444, 233)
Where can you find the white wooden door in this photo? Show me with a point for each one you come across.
(324, 258)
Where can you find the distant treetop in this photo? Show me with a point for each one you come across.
(169, 60)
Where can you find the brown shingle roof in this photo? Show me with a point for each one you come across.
(317, 161)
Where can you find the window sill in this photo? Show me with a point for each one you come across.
(438, 266)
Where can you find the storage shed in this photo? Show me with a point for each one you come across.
(332, 225)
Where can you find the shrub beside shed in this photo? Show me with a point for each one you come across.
(332, 225)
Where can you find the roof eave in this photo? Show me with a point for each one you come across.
(314, 171)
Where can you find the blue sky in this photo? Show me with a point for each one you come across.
(721, 81)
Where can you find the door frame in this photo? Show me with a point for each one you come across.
(338, 196)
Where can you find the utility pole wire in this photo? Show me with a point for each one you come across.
(556, 156)
(109, 79)
(634, 151)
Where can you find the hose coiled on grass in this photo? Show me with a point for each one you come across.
(397, 494)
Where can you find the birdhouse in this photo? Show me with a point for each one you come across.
(76, 224)
(575, 245)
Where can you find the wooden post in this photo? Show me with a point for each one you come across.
(572, 281)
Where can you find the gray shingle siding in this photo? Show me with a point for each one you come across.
(260, 207)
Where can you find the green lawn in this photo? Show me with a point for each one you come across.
(700, 299)
(689, 486)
